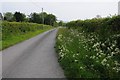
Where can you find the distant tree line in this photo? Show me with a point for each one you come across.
(40, 18)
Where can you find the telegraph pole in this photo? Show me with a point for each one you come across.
(119, 8)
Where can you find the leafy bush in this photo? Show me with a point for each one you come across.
(107, 25)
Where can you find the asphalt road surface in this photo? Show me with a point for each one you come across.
(33, 58)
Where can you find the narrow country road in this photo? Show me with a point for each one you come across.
(33, 58)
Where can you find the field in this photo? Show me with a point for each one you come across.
(15, 32)
(90, 48)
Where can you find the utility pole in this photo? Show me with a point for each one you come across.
(42, 17)
(119, 8)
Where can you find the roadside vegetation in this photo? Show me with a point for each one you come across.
(40, 18)
(16, 27)
(14, 32)
(90, 48)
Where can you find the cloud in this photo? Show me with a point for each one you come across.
(64, 10)
(59, 0)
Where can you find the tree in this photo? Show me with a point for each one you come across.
(42, 18)
(1, 17)
(50, 19)
(19, 17)
(55, 24)
(60, 23)
(35, 18)
(43, 15)
(8, 16)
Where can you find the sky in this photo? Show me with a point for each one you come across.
(65, 10)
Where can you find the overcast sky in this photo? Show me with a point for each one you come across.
(65, 10)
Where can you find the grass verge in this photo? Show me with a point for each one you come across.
(83, 55)
(16, 39)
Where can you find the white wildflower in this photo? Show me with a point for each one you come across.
(108, 65)
(99, 56)
(93, 57)
(81, 67)
(117, 50)
(95, 45)
(103, 44)
(103, 62)
(112, 53)
(73, 55)
(76, 60)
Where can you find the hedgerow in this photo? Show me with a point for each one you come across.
(90, 48)
(17, 28)
(14, 32)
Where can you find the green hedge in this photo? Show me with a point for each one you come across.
(90, 48)
(14, 32)
(16, 28)
(109, 25)
(85, 56)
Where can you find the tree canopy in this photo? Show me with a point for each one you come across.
(8, 16)
(41, 18)
(19, 17)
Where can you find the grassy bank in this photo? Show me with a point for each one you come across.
(84, 55)
(90, 48)
(14, 32)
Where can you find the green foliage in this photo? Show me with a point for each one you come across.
(48, 19)
(1, 16)
(8, 16)
(19, 17)
(114, 23)
(83, 55)
(14, 32)
(60, 23)
(55, 24)
(41, 18)
(102, 26)
(35, 18)
(90, 48)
